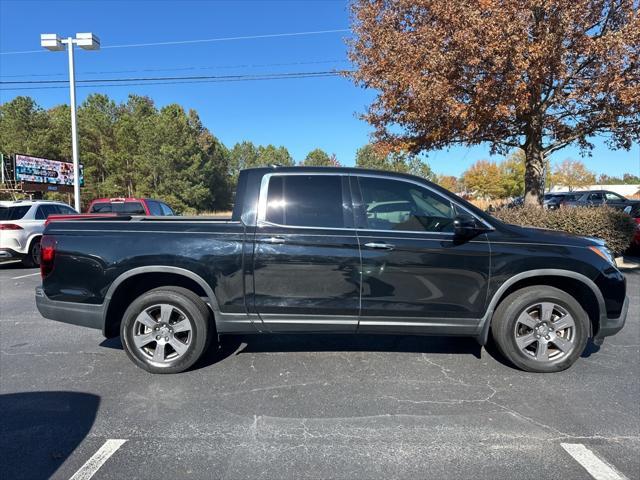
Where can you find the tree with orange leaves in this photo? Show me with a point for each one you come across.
(573, 174)
(483, 179)
(531, 74)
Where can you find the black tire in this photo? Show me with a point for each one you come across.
(183, 303)
(510, 332)
(32, 258)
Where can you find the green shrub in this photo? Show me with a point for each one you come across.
(613, 226)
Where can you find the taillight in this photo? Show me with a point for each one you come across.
(47, 254)
(10, 226)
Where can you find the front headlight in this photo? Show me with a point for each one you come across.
(603, 252)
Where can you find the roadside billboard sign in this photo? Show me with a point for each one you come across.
(38, 170)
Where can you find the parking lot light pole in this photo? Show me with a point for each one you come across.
(54, 43)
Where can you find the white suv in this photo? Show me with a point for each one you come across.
(21, 227)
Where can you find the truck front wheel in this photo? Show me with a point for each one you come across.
(166, 330)
(540, 329)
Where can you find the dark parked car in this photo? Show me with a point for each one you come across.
(553, 200)
(550, 200)
(331, 250)
(596, 198)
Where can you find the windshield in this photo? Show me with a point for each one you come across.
(13, 213)
(130, 208)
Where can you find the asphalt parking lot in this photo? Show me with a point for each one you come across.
(309, 407)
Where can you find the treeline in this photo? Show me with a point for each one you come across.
(137, 149)
(128, 149)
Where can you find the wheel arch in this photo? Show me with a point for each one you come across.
(577, 285)
(30, 240)
(133, 283)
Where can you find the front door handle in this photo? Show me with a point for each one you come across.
(274, 240)
(379, 245)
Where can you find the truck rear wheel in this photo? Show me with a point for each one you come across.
(540, 329)
(166, 330)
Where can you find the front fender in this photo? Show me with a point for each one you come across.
(485, 323)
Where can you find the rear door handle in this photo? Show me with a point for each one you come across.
(379, 245)
(274, 240)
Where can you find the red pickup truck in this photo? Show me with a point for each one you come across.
(130, 206)
(111, 207)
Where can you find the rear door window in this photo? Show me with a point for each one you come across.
(66, 210)
(13, 213)
(595, 196)
(305, 201)
(44, 211)
(154, 208)
(166, 210)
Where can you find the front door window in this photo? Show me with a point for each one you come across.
(403, 206)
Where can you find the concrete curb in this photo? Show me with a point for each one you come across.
(628, 262)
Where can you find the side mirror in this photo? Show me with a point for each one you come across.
(465, 225)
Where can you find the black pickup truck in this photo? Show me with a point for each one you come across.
(340, 250)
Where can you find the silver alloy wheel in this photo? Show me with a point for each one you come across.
(545, 331)
(162, 333)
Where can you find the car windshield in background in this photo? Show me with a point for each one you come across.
(13, 213)
(129, 208)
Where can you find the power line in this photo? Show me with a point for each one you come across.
(189, 80)
(177, 69)
(188, 77)
(206, 40)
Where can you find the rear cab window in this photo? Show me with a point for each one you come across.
(101, 207)
(126, 208)
(307, 201)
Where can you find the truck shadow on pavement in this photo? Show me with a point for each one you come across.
(231, 345)
(40, 430)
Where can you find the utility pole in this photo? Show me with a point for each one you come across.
(86, 41)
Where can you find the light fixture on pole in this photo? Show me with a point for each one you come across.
(87, 41)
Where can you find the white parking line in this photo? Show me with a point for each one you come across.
(25, 276)
(92, 465)
(596, 467)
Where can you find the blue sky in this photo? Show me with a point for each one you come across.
(300, 114)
